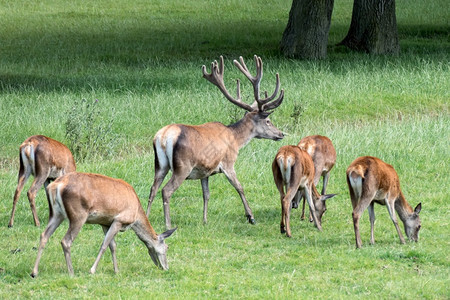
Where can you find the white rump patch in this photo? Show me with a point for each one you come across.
(285, 168)
(28, 159)
(56, 201)
(356, 183)
(162, 158)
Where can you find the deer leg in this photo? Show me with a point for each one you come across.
(205, 190)
(356, 216)
(283, 215)
(231, 175)
(303, 199)
(71, 234)
(160, 173)
(112, 247)
(390, 209)
(172, 185)
(109, 237)
(312, 209)
(372, 222)
(35, 186)
(325, 183)
(24, 173)
(53, 223)
(286, 209)
(296, 200)
(280, 187)
(50, 210)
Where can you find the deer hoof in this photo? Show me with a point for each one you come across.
(251, 220)
(33, 275)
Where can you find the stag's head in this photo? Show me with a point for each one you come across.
(261, 108)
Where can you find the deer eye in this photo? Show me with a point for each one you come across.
(268, 122)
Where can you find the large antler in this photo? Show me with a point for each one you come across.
(216, 78)
(266, 104)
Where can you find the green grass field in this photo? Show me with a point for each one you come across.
(142, 61)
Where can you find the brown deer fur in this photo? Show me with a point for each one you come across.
(199, 151)
(323, 155)
(96, 199)
(293, 173)
(372, 180)
(46, 159)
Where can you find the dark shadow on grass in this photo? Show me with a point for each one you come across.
(91, 60)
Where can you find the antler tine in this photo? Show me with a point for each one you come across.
(255, 80)
(216, 78)
(274, 104)
(277, 88)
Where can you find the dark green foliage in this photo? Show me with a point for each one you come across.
(88, 133)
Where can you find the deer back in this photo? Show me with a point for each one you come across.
(43, 152)
(99, 198)
(376, 177)
(321, 150)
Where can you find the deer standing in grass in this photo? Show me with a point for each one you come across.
(372, 180)
(293, 173)
(96, 199)
(323, 155)
(197, 152)
(46, 159)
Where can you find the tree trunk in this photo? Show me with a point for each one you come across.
(306, 34)
(373, 28)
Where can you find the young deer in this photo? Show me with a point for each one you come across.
(97, 199)
(323, 154)
(293, 172)
(46, 159)
(372, 180)
(197, 152)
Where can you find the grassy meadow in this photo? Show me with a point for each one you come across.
(140, 63)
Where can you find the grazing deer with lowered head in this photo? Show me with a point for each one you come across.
(97, 199)
(293, 173)
(197, 152)
(372, 180)
(323, 155)
(46, 159)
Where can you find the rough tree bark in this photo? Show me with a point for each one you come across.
(373, 28)
(306, 34)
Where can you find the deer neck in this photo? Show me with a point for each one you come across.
(315, 193)
(243, 131)
(144, 230)
(404, 210)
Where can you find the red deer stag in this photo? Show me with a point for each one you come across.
(323, 154)
(97, 199)
(46, 159)
(372, 180)
(293, 173)
(197, 152)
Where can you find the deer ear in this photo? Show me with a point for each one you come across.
(328, 196)
(418, 208)
(166, 234)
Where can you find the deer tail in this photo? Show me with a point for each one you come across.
(27, 159)
(355, 177)
(285, 164)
